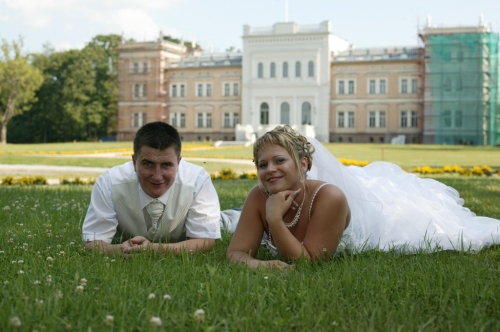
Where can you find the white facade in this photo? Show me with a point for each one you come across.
(286, 71)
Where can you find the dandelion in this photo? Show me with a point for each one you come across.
(155, 321)
(109, 320)
(83, 282)
(15, 321)
(167, 297)
(79, 288)
(151, 296)
(50, 259)
(38, 303)
(199, 315)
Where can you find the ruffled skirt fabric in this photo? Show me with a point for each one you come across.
(395, 210)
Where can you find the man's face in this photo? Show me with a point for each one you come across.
(156, 169)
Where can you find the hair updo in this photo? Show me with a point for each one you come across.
(294, 143)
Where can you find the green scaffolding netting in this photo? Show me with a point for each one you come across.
(462, 90)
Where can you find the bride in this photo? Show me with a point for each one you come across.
(378, 206)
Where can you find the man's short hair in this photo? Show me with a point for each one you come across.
(157, 135)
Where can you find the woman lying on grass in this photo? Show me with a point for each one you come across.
(378, 206)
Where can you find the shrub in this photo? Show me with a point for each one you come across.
(250, 175)
(8, 181)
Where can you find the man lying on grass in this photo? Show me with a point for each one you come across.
(155, 202)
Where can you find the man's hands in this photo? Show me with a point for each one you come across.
(135, 244)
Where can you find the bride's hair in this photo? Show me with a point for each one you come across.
(294, 143)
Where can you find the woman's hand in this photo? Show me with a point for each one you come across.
(277, 205)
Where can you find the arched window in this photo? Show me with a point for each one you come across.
(306, 113)
(297, 69)
(260, 70)
(285, 113)
(264, 113)
(273, 70)
(285, 69)
(310, 71)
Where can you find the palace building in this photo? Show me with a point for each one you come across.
(444, 92)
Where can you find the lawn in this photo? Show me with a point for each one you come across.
(51, 284)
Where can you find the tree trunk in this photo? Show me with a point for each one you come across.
(3, 131)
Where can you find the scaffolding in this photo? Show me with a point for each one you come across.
(461, 91)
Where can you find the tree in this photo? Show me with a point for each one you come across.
(19, 81)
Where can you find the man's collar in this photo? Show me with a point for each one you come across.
(145, 199)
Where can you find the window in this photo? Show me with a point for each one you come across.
(446, 119)
(208, 120)
(460, 56)
(285, 113)
(310, 69)
(414, 85)
(227, 87)
(376, 119)
(173, 93)
(351, 87)
(285, 69)
(297, 69)
(306, 113)
(236, 90)
(144, 90)
(350, 120)
(178, 119)
(230, 89)
(458, 119)
(140, 90)
(404, 119)
(137, 92)
(199, 120)
(264, 113)
(372, 87)
(203, 89)
(447, 84)
(145, 67)
(230, 120)
(414, 119)
(459, 83)
(340, 120)
(199, 91)
(182, 90)
(209, 89)
(260, 70)
(272, 70)
(138, 119)
(382, 86)
(404, 85)
(136, 67)
(341, 88)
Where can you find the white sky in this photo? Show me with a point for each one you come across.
(219, 23)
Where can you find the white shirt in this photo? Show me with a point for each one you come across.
(202, 220)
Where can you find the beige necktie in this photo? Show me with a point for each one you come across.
(155, 209)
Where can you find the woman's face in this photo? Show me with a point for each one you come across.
(277, 169)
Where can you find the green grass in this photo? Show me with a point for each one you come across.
(371, 291)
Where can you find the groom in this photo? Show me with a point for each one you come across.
(157, 201)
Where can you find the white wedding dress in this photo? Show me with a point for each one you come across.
(392, 209)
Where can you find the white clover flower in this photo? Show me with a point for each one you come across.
(14, 262)
(59, 294)
(50, 259)
(266, 277)
(167, 297)
(155, 321)
(6, 208)
(109, 320)
(29, 236)
(334, 323)
(83, 282)
(67, 327)
(38, 303)
(112, 261)
(79, 288)
(199, 315)
(15, 321)
(36, 282)
(2, 252)
(151, 296)
(20, 261)
(10, 241)
(6, 282)
(58, 246)
(21, 272)
(72, 244)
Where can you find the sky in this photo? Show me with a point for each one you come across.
(218, 24)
